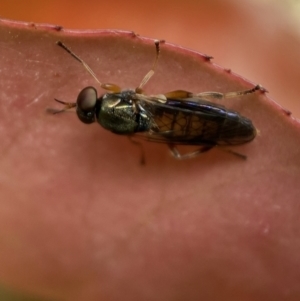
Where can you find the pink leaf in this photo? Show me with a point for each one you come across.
(81, 219)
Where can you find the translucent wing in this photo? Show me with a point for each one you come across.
(194, 122)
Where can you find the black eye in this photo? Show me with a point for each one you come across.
(86, 105)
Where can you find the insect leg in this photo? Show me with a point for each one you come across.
(178, 94)
(137, 143)
(109, 87)
(175, 152)
(218, 95)
(241, 156)
(151, 72)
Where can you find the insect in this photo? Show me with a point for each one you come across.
(174, 118)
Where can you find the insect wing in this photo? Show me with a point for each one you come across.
(196, 122)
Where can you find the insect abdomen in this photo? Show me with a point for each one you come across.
(236, 129)
(219, 127)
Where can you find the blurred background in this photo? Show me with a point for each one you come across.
(258, 39)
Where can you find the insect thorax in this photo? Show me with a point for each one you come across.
(120, 114)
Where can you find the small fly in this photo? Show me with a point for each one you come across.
(174, 118)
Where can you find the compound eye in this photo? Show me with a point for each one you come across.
(86, 105)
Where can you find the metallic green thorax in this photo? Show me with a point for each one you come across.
(117, 114)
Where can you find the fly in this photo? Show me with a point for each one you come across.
(174, 118)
